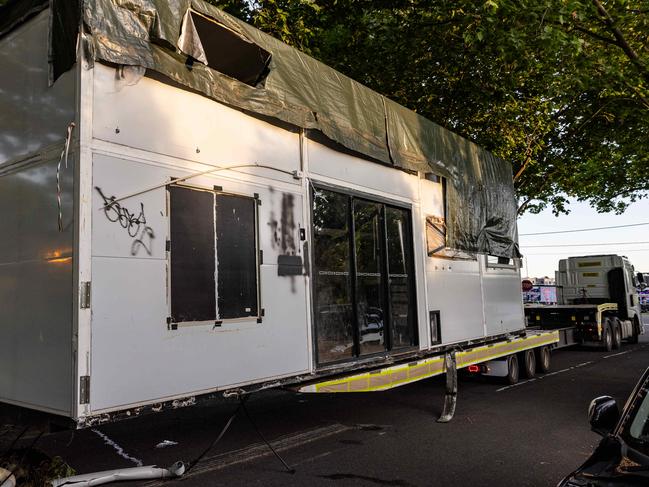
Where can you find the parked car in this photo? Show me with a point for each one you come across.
(622, 457)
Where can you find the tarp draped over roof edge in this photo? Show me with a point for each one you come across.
(304, 92)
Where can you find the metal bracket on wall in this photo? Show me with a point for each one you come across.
(84, 295)
(84, 389)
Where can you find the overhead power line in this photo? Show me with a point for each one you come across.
(586, 255)
(584, 229)
(598, 244)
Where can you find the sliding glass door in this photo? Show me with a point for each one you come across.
(364, 293)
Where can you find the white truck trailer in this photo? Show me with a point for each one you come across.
(191, 207)
(598, 302)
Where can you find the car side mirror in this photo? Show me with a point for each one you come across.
(603, 414)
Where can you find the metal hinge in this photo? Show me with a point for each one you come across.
(84, 389)
(84, 295)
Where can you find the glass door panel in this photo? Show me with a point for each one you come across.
(370, 275)
(332, 281)
(400, 277)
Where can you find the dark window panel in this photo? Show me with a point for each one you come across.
(236, 250)
(193, 293)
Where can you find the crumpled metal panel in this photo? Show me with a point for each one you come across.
(306, 93)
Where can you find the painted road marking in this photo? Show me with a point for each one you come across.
(118, 449)
(259, 450)
(616, 354)
(550, 374)
(583, 364)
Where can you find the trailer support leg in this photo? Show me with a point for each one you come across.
(450, 400)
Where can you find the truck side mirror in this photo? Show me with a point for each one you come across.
(640, 277)
(603, 414)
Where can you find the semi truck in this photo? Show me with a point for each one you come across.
(598, 303)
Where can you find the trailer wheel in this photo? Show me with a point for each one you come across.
(513, 371)
(607, 336)
(529, 364)
(543, 360)
(635, 332)
(617, 334)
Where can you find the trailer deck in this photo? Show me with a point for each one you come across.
(405, 373)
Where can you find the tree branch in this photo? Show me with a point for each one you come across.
(624, 45)
(589, 33)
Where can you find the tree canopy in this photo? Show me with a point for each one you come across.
(560, 88)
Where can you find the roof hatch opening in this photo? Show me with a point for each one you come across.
(222, 49)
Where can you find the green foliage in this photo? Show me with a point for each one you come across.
(33, 468)
(558, 87)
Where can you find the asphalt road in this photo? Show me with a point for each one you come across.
(531, 434)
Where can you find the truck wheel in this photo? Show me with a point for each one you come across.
(617, 334)
(513, 371)
(635, 332)
(607, 336)
(543, 360)
(529, 364)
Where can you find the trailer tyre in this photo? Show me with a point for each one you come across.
(607, 336)
(543, 360)
(529, 364)
(513, 371)
(617, 334)
(635, 333)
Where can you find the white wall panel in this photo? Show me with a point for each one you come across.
(503, 301)
(157, 117)
(36, 287)
(345, 169)
(458, 297)
(135, 358)
(33, 115)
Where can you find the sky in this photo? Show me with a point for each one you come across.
(542, 261)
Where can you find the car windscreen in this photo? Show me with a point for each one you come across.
(635, 430)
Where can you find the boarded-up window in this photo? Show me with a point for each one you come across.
(236, 250)
(193, 290)
(213, 254)
(435, 234)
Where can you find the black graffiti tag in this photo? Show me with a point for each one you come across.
(136, 226)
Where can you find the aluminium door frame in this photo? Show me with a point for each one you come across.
(384, 201)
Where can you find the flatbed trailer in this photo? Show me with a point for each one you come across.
(588, 324)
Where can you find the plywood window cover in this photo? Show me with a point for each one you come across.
(244, 319)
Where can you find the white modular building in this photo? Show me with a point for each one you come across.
(189, 206)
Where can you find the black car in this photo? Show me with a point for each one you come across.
(622, 457)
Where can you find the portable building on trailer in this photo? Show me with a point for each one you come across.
(190, 206)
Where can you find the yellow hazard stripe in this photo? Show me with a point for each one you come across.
(398, 375)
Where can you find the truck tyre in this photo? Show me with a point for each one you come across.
(607, 336)
(513, 372)
(543, 360)
(529, 364)
(635, 333)
(617, 334)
